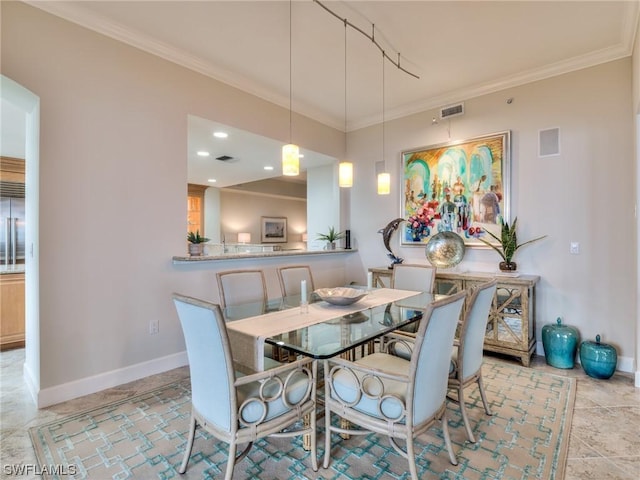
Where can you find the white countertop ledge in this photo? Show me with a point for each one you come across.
(8, 269)
(240, 256)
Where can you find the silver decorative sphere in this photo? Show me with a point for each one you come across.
(445, 250)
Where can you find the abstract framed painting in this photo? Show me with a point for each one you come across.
(461, 187)
(274, 230)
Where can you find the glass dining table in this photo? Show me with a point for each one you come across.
(321, 330)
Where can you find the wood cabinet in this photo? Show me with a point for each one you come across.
(12, 169)
(11, 310)
(195, 208)
(511, 328)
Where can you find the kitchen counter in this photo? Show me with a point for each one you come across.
(6, 269)
(241, 256)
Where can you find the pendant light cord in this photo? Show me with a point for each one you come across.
(383, 157)
(290, 74)
(345, 88)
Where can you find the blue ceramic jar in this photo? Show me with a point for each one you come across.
(599, 360)
(560, 344)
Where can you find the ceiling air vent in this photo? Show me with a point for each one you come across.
(452, 110)
(224, 158)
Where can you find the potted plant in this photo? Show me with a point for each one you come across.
(196, 243)
(331, 238)
(508, 244)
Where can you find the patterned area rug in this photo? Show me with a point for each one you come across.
(143, 437)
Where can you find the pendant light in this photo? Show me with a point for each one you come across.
(290, 152)
(384, 179)
(345, 169)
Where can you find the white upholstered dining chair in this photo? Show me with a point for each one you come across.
(291, 276)
(393, 396)
(413, 277)
(241, 286)
(467, 356)
(239, 409)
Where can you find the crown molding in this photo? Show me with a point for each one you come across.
(73, 12)
(522, 78)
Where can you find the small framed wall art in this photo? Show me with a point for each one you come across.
(273, 229)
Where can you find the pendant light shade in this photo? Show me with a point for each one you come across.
(290, 160)
(384, 184)
(345, 174)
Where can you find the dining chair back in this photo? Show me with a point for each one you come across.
(237, 408)
(467, 356)
(291, 276)
(413, 277)
(397, 397)
(241, 286)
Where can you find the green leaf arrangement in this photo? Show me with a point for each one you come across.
(330, 237)
(196, 237)
(508, 240)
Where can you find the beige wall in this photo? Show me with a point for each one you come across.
(242, 212)
(586, 194)
(113, 182)
(113, 173)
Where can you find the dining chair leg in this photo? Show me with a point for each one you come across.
(187, 451)
(411, 458)
(483, 395)
(447, 438)
(231, 461)
(463, 412)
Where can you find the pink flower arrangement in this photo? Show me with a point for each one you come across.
(422, 219)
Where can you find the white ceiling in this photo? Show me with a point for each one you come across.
(250, 154)
(459, 49)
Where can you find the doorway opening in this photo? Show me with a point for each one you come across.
(21, 99)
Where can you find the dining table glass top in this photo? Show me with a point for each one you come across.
(340, 328)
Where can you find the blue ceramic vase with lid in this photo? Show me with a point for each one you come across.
(599, 360)
(560, 344)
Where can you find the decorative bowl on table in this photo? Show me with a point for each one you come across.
(340, 295)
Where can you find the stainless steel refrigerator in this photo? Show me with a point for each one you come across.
(12, 223)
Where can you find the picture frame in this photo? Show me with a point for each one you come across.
(273, 229)
(462, 186)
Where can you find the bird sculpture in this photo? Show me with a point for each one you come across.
(387, 232)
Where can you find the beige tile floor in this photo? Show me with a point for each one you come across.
(604, 442)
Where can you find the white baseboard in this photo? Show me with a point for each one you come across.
(78, 388)
(30, 381)
(625, 364)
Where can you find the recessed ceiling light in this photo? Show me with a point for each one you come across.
(220, 134)
(202, 153)
(212, 180)
(301, 155)
(268, 167)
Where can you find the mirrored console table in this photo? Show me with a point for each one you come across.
(511, 329)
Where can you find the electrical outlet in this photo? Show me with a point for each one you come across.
(154, 327)
(574, 248)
